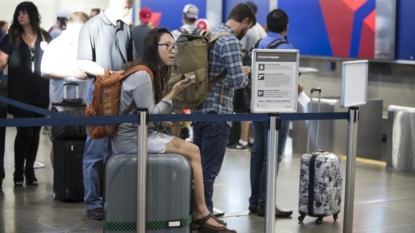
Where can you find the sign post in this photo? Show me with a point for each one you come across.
(274, 90)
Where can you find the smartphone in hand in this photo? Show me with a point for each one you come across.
(189, 79)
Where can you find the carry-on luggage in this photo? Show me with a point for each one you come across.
(68, 144)
(68, 181)
(320, 180)
(73, 107)
(168, 194)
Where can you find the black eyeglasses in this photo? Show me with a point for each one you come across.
(32, 58)
(170, 47)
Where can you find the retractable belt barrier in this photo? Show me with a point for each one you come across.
(63, 119)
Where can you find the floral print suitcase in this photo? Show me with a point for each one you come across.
(320, 186)
(320, 180)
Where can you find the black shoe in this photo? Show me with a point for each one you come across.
(279, 213)
(238, 147)
(253, 209)
(96, 214)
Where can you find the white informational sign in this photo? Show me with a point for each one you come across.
(274, 80)
(354, 83)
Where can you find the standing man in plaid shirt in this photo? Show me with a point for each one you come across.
(224, 54)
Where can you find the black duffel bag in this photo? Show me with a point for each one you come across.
(72, 107)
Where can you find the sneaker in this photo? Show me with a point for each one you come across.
(237, 147)
(95, 214)
(37, 165)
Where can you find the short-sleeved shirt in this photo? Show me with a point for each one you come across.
(139, 88)
(270, 38)
(61, 54)
(110, 46)
(139, 33)
(23, 84)
(252, 36)
(189, 29)
(224, 54)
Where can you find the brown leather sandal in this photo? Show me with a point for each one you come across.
(207, 228)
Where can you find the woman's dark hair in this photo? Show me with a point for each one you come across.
(16, 30)
(152, 60)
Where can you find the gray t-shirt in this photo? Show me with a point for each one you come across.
(137, 87)
(252, 36)
(139, 33)
(108, 45)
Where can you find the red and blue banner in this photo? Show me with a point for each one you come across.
(340, 28)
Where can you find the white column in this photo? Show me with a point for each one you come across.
(214, 12)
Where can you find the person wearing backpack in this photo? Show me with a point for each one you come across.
(104, 42)
(189, 18)
(277, 22)
(225, 55)
(241, 101)
(147, 89)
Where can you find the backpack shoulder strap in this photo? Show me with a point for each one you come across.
(138, 68)
(218, 78)
(219, 35)
(256, 44)
(274, 44)
(128, 73)
(182, 30)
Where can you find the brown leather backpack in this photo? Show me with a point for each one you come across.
(106, 100)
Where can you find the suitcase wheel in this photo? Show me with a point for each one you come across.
(301, 218)
(335, 217)
(319, 220)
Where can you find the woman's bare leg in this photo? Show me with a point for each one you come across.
(192, 153)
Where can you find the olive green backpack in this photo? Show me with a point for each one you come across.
(192, 59)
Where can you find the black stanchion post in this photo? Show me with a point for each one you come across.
(274, 127)
(350, 170)
(141, 169)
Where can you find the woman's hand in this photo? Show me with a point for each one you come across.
(177, 88)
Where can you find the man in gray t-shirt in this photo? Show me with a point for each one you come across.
(104, 42)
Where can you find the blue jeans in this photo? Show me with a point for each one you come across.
(96, 152)
(211, 138)
(259, 160)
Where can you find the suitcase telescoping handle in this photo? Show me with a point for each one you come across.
(77, 100)
(318, 89)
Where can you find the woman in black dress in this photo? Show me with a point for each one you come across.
(22, 49)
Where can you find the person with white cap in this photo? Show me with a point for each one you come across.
(60, 24)
(189, 18)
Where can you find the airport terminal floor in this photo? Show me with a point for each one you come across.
(384, 199)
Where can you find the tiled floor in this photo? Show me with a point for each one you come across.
(384, 200)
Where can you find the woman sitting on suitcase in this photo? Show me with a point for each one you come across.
(159, 50)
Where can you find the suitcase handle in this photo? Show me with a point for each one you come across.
(66, 85)
(316, 89)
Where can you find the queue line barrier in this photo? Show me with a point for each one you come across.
(143, 117)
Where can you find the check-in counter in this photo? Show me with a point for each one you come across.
(332, 135)
(400, 154)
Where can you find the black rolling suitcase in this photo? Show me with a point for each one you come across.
(68, 181)
(68, 150)
(73, 107)
(3, 115)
